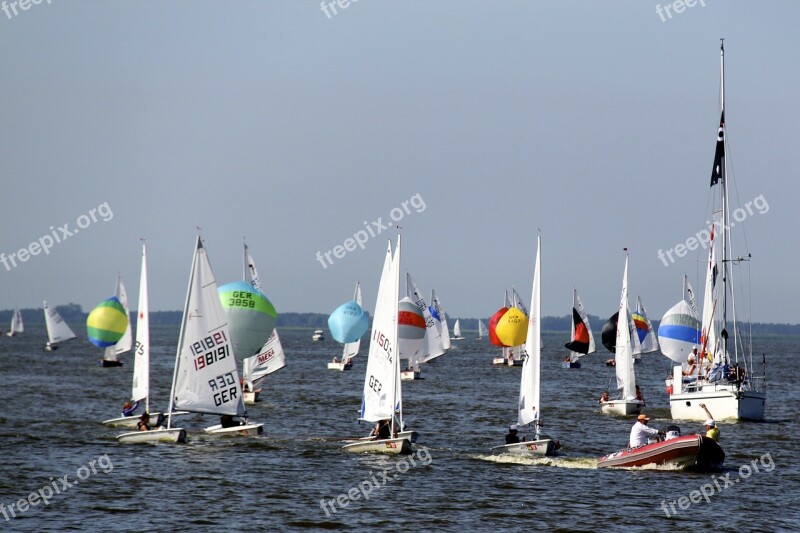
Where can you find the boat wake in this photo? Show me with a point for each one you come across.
(586, 463)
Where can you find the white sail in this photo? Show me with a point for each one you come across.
(529, 407)
(482, 331)
(206, 379)
(270, 359)
(626, 380)
(351, 349)
(710, 346)
(382, 380)
(433, 336)
(444, 331)
(16, 323)
(141, 362)
(457, 329)
(250, 272)
(126, 342)
(57, 329)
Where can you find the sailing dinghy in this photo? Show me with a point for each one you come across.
(57, 330)
(627, 404)
(348, 320)
(16, 323)
(482, 331)
(582, 342)
(382, 397)
(457, 330)
(528, 410)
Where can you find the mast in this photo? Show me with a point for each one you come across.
(397, 392)
(198, 245)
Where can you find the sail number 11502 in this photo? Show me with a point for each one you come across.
(383, 341)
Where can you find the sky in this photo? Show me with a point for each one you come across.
(476, 125)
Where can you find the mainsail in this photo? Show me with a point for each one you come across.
(529, 409)
(140, 388)
(57, 329)
(582, 342)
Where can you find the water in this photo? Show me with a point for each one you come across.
(52, 404)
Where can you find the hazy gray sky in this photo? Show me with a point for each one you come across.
(594, 121)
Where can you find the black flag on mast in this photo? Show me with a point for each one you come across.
(719, 153)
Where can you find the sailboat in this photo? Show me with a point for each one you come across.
(440, 319)
(382, 397)
(732, 392)
(679, 329)
(270, 357)
(647, 339)
(57, 330)
(105, 323)
(434, 347)
(411, 340)
(529, 407)
(16, 323)
(493, 321)
(627, 404)
(350, 349)
(582, 342)
(457, 330)
(511, 329)
(482, 331)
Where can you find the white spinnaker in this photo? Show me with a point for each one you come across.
(140, 388)
(57, 329)
(382, 380)
(207, 380)
(529, 389)
(626, 380)
(126, 342)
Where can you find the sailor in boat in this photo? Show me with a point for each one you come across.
(640, 431)
(712, 431)
(144, 422)
(335, 359)
(382, 430)
(128, 408)
(603, 397)
(227, 421)
(512, 437)
(639, 395)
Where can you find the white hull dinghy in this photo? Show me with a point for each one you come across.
(170, 435)
(249, 430)
(622, 407)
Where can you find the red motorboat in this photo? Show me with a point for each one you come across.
(689, 451)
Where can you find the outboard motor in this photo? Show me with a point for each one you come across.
(673, 432)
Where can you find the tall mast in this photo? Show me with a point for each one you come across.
(724, 194)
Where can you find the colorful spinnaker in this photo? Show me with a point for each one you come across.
(251, 317)
(410, 331)
(582, 342)
(493, 338)
(107, 323)
(648, 342)
(512, 328)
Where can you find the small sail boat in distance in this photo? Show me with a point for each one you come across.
(382, 397)
(440, 319)
(482, 331)
(57, 330)
(648, 342)
(529, 410)
(582, 342)
(16, 323)
(627, 404)
(493, 338)
(457, 330)
(348, 323)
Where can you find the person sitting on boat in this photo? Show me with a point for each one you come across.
(128, 408)
(712, 431)
(640, 432)
(335, 359)
(512, 437)
(639, 395)
(227, 421)
(144, 422)
(603, 397)
(736, 374)
(382, 430)
(691, 361)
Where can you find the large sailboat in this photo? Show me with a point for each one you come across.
(727, 383)
(528, 408)
(382, 397)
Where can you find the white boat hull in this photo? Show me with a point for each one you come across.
(172, 435)
(248, 430)
(340, 366)
(251, 397)
(622, 407)
(131, 421)
(409, 375)
(531, 447)
(722, 402)
(499, 361)
(412, 436)
(395, 446)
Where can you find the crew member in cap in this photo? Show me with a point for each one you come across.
(640, 431)
(512, 437)
(712, 431)
(692, 363)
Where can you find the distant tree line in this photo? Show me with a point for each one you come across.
(73, 314)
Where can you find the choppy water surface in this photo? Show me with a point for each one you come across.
(51, 405)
